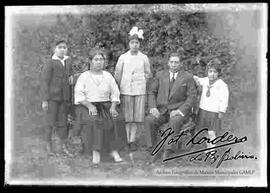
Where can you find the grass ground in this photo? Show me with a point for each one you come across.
(30, 161)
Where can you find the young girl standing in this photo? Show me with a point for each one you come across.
(131, 73)
(214, 100)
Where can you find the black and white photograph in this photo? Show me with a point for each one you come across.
(136, 95)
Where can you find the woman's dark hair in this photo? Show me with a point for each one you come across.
(93, 52)
(215, 63)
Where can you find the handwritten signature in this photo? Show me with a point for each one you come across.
(223, 140)
(213, 157)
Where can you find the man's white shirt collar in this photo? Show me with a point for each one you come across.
(54, 57)
(175, 75)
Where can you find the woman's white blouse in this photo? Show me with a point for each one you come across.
(132, 72)
(87, 89)
(219, 96)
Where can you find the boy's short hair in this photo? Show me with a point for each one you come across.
(215, 63)
(60, 42)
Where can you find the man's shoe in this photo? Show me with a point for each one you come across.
(153, 159)
(149, 149)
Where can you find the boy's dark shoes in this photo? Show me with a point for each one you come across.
(49, 149)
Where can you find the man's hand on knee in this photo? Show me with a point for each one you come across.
(176, 113)
(154, 112)
(45, 105)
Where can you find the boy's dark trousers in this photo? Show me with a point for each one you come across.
(56, 118)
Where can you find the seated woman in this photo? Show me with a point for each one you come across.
(97, 95)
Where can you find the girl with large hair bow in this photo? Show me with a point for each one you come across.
(131, 73)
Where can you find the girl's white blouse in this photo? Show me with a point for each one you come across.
(132, 72)
(219, 96)
(87, 89)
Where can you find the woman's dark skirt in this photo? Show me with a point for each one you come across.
(209, 120)
(102, 132)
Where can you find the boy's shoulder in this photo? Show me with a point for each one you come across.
(48, 61)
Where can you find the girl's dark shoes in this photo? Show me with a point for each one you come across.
(132, 146)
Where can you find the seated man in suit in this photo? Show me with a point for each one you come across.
(171, 97)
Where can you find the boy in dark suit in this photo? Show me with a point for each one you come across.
(56, 93)
(172, 95)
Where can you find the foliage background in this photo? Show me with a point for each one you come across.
(232, 36)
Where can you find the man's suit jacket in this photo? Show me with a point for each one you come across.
(54, 81)
(182, 95)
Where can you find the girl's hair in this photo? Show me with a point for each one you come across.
(134, 37)
(215, 64)
(94, 52)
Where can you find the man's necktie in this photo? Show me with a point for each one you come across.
(172, 81)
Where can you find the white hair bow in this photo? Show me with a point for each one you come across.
(135, 30)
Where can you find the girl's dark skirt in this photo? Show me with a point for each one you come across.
(209, 120)
(102, 132)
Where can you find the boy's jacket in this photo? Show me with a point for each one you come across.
(54, 80)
